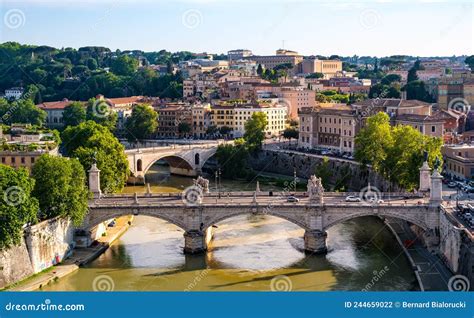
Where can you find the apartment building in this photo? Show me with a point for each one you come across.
(276, 117)
(172, 117)
(457, 86)
(201, 120)
(459, 161)
(329, 125)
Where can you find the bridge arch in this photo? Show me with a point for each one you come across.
(283, 216)
(102, 217)
(400, 216)
(173, 160)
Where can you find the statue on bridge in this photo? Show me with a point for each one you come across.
(315, 189)
(202, 183)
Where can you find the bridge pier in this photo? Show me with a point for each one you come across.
(315, 241)
(196, 241)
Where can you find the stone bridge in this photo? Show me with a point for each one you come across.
(196, 210)
(186, 160)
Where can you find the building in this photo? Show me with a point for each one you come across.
(330, 126)
(200, 86)
(174, 120)
(458, 87)
(295, 99)
(276, 117)
(14, 93)
(329, 68)
(235, 55)
(201, 120)
(54, 112)
(459, 161)
(19, 148)
(281, 57)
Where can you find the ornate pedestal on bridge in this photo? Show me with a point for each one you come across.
(315, 242)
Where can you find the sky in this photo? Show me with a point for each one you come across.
(310, 27)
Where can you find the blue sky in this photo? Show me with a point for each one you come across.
(416, 27)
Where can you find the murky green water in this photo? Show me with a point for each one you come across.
(248, 253)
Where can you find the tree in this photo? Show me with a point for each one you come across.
(233, 159)
(390, 78)
(74, 114)
(324, 172)
(225, 130)
(417, 90)
(22, 111)
(259, 69)
(184, 128)
(315, 75)
(142, 122)
(124, 65)
(89, 140)
(255, 130)
(290, 132)
(395, 152)
(100, 111)
(373, 141)
(470, 61)
(17, 206)
(61, 187)
(211, 130)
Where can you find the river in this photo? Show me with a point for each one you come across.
(248, 253)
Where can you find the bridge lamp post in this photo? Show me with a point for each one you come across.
(294, 177)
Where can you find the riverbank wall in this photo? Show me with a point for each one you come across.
(78, 257)
(347, 172)
(43, 245)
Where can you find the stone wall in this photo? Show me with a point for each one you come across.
(456, 248)
(15, 264)
(49, 242)
(44, 244)
(284, 162)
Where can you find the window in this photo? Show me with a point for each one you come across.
(433, 128)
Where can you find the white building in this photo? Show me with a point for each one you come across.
(14, 93)
(276, 116)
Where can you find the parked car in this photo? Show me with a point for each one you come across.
(452, 185)
(292, 199)
(353, 198)
(374, 200)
